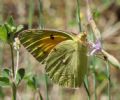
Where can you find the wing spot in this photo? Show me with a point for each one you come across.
(55, 49)
(44, 52)
(52, 37)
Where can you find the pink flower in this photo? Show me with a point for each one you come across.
(95, 47)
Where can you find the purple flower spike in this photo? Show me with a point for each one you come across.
(95, 47)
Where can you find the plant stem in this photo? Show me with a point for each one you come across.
(94, 76)
(78, 15)
(109, 81)
(86, 85)
(12, 58)
(41, 26)
(1, 12)
(46, 81)
(95, 95)
(40, 96)
(14, 89)
(1, 55)
(31, 12)
(41, 22)
(17, 63)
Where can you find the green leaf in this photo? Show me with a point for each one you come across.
(6, 73)
(28, 75)
(40, 96)
(101, 76)
(2, 95)
(20, 75)
(10, 25)
(4, 81)
(3, 33)
(32, 82)
(10, 29)
(112, 60)
(10, 21)
(19, 28)
(86, 85)
(96, 14)
(66, 64)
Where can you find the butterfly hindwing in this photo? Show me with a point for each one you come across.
(40, 42)
(66, 64)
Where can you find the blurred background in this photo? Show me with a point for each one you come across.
(62, 15)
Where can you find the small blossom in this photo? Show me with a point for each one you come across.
(95, 47)
(16, 44)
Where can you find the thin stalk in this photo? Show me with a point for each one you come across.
(30, 22)
(93, 25)
(86, 85)
(41, 23)
(14, 89)
(17, 63)
(46, 81)
(31, 12)
(95, 93)
(94, 77)
(1, 55)
(40, 96)
(109, 80)
(41, 26)
(12, 58)
(78, 15)
(1, 12)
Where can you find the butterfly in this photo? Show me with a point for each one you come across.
(64, 54)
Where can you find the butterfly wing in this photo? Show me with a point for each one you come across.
(40, 42)
(66, 64)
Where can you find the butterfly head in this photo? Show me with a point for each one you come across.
(82, 37)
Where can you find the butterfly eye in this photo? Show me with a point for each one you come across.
(44, 52)
(51, 37)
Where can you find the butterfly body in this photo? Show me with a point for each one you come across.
(64, 54)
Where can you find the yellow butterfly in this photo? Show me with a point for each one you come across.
(64, 54)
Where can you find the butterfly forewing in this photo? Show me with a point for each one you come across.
(40, 42)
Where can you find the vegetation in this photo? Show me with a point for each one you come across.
(23, 78)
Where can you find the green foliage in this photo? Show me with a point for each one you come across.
(3, 33)
(31, 82)
(4, 81)
(10, 25)
(19, 28)
(4, 77)
(6, 73)
(2, 95)
(9, 30)
(96, 14)
(20, 75)
(101, 76)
